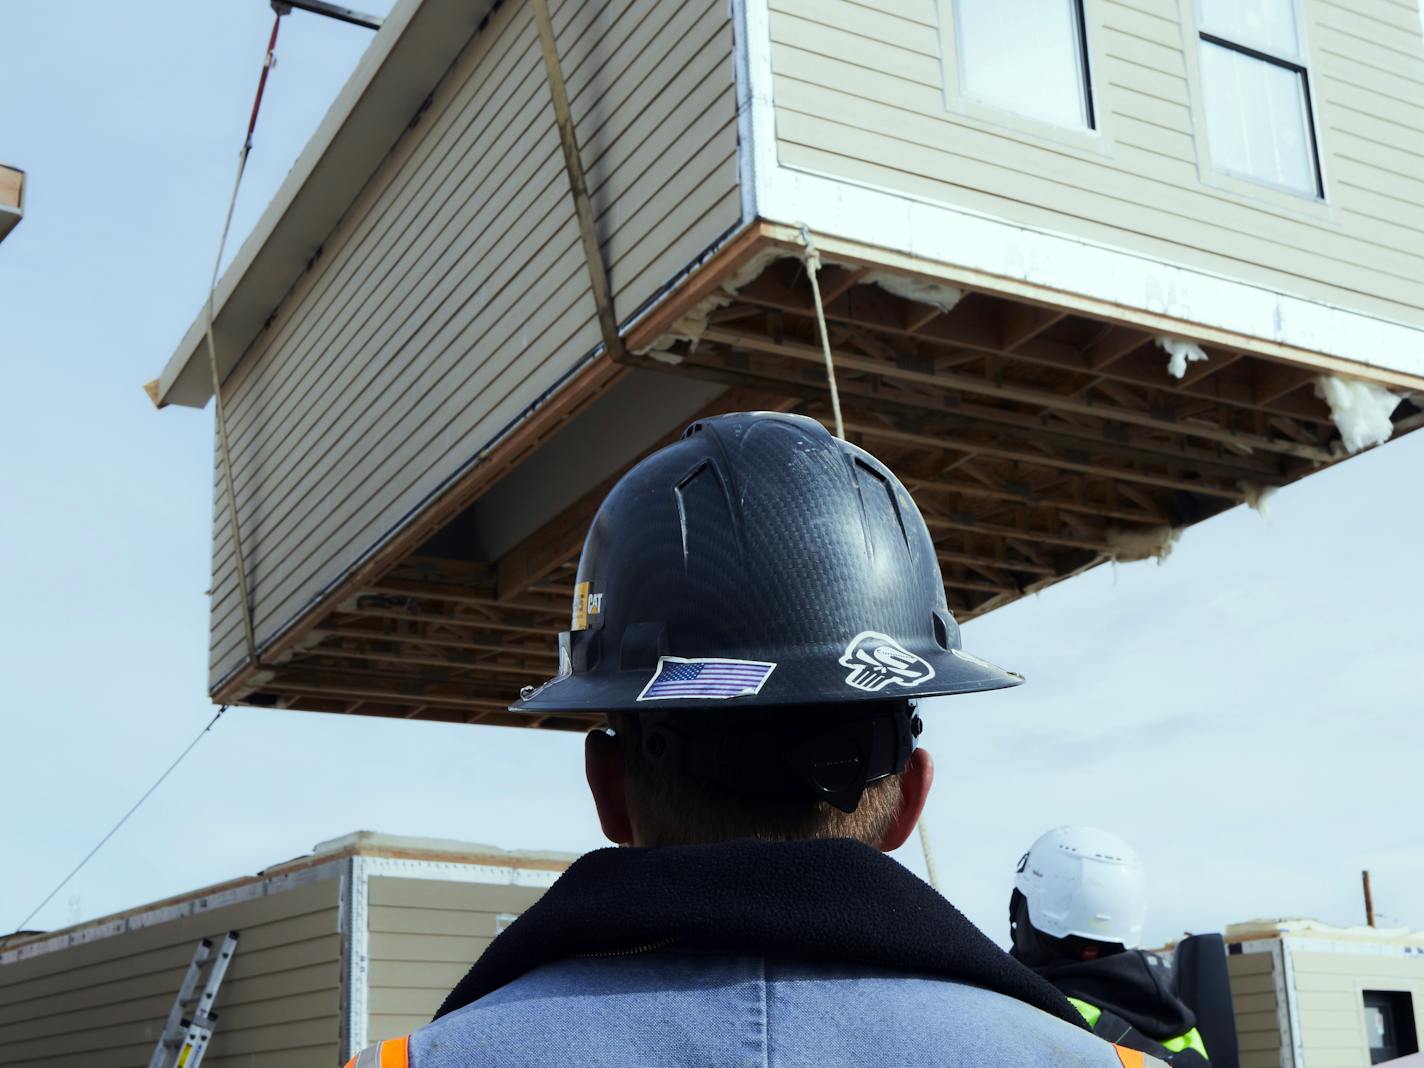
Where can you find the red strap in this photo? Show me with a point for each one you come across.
(262, 81)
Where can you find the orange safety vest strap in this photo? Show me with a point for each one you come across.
(1131, 1058)
(392, 1053)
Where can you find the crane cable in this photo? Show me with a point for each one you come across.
(114, 829)
(249, 635)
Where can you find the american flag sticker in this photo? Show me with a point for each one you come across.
(713, 679)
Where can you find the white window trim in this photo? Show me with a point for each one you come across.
(1317, 204)
(995, 119)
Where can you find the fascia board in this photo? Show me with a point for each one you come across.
(404, 62)
(1055, 263)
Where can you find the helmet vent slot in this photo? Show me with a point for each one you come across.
(704, 516)
(884, 523)
(941, 632)
(946, 630)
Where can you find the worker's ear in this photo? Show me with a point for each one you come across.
(607, 781)
(915, 783)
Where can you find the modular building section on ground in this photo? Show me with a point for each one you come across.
(1308, 995)
(358, 942)
(1073, 339)
(12, 198)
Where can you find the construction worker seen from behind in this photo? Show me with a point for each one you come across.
(1076, 914)
(757, 613)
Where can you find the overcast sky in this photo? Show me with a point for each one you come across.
(1247, 715)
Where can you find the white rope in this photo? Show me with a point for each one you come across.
(929, 853)
(813, 265)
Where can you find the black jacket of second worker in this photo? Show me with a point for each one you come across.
(1133, 986)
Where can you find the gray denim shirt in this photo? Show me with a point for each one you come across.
(669, 1008)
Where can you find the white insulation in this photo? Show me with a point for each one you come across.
(1180, 353)
(1259, 498)
(694, 324)
(1360, 410)
(920, 290)
(1151, 543)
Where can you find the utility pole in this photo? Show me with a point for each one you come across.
(1369, 899)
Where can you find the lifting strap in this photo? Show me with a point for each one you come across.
(240, 565)
(578, 186)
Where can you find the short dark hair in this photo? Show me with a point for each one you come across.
(668, 807)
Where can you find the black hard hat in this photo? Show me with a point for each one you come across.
(758, 561)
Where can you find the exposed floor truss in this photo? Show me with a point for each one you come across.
(1037, 441)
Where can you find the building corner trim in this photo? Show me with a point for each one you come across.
(355, 959)
(756, 119)
(1290, 1036)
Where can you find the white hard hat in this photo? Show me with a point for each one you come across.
(1086, 882)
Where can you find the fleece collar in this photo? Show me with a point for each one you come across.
(832, 900)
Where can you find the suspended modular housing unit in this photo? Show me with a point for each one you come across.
(358, 942)
(1073, 333)
(1309, 995)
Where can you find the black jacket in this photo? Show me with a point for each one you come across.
(831, 900)
(1134, 990)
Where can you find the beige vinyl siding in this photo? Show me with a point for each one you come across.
(424, 935)
(454, 292)
(102, 1004)
(1329, 998)
(859, 94)
(1253, 996)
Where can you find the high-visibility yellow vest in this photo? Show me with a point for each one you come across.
(1191, 1040)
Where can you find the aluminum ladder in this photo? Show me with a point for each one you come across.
(191, 1021)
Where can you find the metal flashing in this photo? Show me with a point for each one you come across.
(196, 905)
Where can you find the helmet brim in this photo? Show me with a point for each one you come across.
(789, 683)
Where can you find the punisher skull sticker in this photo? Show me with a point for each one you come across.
(876, 660)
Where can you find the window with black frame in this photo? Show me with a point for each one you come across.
(1389, 1025)
(1257, 95)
